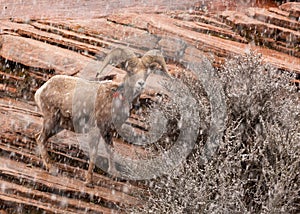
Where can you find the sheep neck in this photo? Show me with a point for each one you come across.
(120, 107)
(119, 93)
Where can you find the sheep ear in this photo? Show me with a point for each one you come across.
(107, 77)
(129, 65)
(154, 66)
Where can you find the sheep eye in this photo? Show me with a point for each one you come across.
(126, 64)
(154, 66)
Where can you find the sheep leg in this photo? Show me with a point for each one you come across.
(112, 167)
(108, 143)
(93, 156)
(89, 175)
(50, 128)
(41, 140)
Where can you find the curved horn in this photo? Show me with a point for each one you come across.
(155, 56)
(116, 56)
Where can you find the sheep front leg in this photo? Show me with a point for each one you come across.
(109, 148)
(93, 156)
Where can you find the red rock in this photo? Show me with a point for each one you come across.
(37, 54)
(293, 8)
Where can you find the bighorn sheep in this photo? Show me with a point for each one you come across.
(76, 104)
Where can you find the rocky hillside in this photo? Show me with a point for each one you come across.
(71, 38)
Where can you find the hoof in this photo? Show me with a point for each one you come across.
(51, 168)
(89, 184)
(113, 172)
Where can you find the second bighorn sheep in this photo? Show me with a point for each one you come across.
(76, 104)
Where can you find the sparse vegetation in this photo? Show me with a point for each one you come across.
(256, 169)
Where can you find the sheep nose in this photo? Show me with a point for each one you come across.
(141, 83)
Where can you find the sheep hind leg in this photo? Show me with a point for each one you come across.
(50, 128)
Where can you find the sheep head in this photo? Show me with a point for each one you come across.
(138, 69)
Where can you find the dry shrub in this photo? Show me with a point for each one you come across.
(256, 169)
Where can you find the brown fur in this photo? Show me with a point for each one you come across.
(58, 100)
